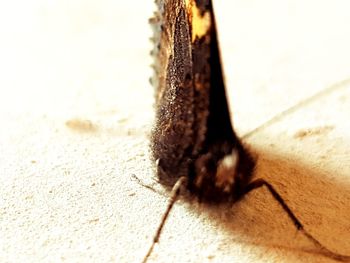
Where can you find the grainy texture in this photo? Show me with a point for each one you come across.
(89, 60)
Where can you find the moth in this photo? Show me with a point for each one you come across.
(193, 142)
(193, 135)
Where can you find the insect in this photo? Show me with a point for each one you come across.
(193, 142)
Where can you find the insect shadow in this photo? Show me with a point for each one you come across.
(318, 201)
(321, 204)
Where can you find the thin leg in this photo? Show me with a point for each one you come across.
(138, 180)
(327, 252)
(173, 198)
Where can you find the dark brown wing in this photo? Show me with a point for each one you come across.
(173, 136)
(193, 135)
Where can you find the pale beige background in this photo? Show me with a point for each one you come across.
(76, 110)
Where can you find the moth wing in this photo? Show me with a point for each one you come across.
(172, 136)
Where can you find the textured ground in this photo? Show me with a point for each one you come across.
(76, 110)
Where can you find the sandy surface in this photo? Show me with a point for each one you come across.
(76, 111)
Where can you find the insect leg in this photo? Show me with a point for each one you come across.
(258, 183)
(173, 198)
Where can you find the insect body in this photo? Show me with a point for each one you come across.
(193, 135)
